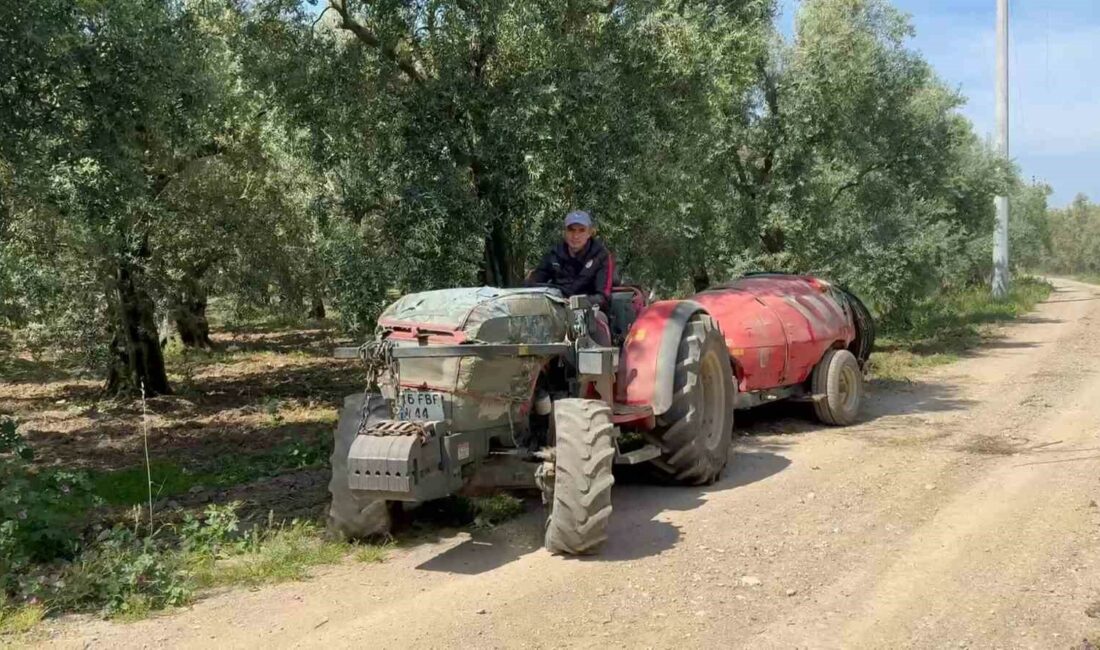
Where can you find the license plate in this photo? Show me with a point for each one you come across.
(420, 406)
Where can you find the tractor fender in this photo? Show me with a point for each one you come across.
(648, 366)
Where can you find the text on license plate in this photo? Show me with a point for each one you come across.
(420, 406)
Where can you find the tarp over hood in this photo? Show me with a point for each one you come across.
(485, 314)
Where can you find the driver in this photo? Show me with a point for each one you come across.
(580, 265)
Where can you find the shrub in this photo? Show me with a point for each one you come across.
(123, 573)
(42, 513)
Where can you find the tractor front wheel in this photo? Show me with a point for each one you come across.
(696, 432)
(351, 515)
(583, 456)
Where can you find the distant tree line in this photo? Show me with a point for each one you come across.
(287, 157)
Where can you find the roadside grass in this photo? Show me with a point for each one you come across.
(127, 574)
(947, 327)
(277, 554)
(373, 553)
(19, 619)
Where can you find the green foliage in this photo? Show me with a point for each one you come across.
(216, 529)
(373, 553)
(1075, 239)
(128, 486)
(269, 555)
(950, 325)
(123, 573)
(496, 509)
(19, 619)
(42, 512)
(258, 154)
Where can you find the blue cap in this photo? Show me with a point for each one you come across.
(578, 217)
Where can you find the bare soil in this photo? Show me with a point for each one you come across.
(258, 390)
(961, 512)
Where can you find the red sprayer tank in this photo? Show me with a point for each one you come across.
(777, 327)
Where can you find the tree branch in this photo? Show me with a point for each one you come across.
(855, 182)
(319, 17)
(404, 62)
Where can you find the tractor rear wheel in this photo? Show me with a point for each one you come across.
(351, 515)
(696, 432)
(837, 384)
(583, 456)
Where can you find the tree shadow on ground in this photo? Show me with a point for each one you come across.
(212, 415)
(19, 370)
(1073, 300)
(316, 339)
(635, 531)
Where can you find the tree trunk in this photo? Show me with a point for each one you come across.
(498, 264)
(317, 312)
(700, 279)
(136, 358)
(189, 313)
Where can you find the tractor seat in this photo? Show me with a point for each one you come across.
(626, 303)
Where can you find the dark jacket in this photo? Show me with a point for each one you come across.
(589, 273)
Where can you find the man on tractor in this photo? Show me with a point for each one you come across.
(580, 265)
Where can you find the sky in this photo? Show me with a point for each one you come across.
(1054, 79)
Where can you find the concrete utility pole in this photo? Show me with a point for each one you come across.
(1000, 232)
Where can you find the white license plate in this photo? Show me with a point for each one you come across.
(420, 406)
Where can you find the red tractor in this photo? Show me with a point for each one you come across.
(505, 388)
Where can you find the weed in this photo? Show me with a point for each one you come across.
(218, 528)
(268, 556)
(270, 405)
(128, 486)
(41, 512)
(373, 553)
(19, 619)
(123, 574)
(496, 509)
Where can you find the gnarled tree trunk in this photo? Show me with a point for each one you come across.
(317, 311)
(189, 314)
(136, 358)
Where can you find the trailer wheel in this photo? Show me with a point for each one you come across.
(696, 432)
(351, 515)
(583, 456)
(837, 384)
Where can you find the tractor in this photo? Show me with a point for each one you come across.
(486, 388)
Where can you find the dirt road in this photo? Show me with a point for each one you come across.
(961, 513)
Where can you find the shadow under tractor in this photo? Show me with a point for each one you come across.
(485, 388)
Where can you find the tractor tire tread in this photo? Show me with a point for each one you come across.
(685, 459)
(352, 515)
(583, 478)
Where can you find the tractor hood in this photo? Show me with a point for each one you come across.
(482, 314)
